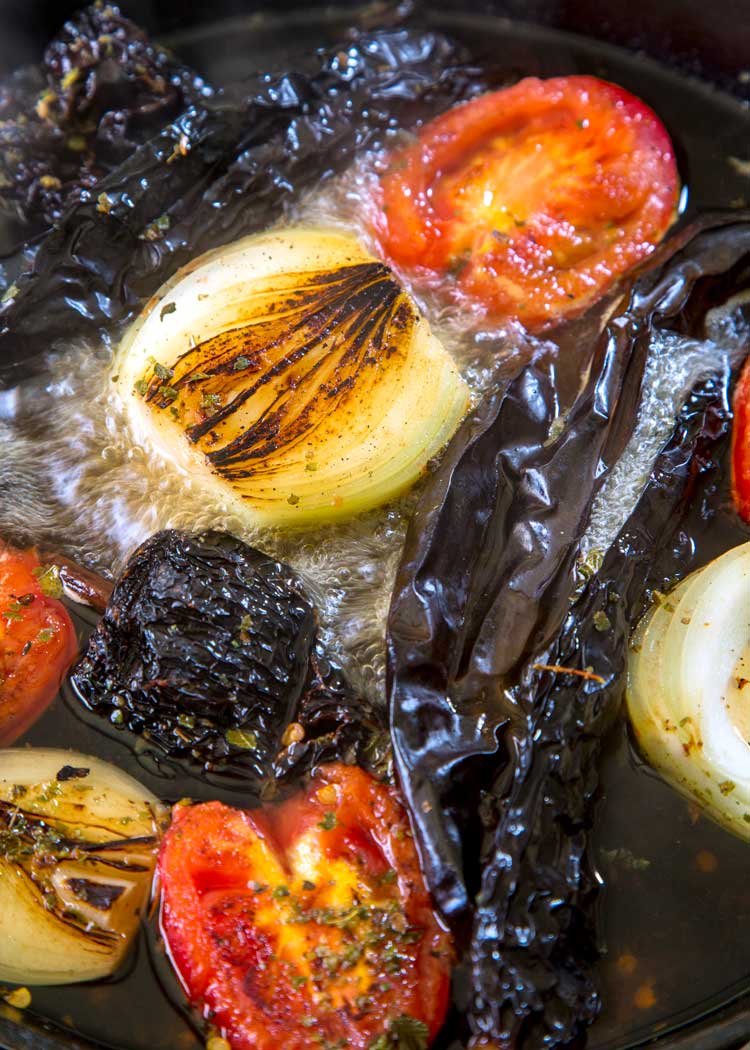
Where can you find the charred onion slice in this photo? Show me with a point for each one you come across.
(78, 844)
(37, 640)
(689, 688)
(532, 200)
(293, 374)
(306, 922)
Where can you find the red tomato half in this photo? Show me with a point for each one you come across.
(741, 444)
(531, 200)
(37, 644)
(305, 923)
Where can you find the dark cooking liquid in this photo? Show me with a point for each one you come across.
(675, 912)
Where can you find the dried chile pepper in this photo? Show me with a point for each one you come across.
(208, 652)
(482, 595)
(220, 170)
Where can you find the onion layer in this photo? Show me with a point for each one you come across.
(293, 375)
(688, 692)
(78, 845)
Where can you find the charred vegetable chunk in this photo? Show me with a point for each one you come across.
(102, 89)
(307, 922)
(207, 649)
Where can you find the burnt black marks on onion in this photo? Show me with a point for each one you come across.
(72, 773)
(480, 722)
(208, 653)
(36, 846)
(99, 895)
(310, 338)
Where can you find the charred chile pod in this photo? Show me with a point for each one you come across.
(207, 650)
(102, 89)
(487, 569)
(223, 169)
(534, 941)
(202, 635)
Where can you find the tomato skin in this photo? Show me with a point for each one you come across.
(531, 200)
(281, 963)
(37, 644)
(741, 444)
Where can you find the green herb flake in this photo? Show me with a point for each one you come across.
(601, 621)
(241, 363)
(279, 892)
(726, 787)
(329, 822)
(625, 857)
(163, 372)
(156, 229)
(169, 308)
(10, 292)
(299, 980)
(141, 387)
(45, 635)
(293, 499)
(403, 1033)
(242, 738)
(50, 581)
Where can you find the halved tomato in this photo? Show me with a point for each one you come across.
(741, 444)
(306, 923)
(531, 200)
(37, 642)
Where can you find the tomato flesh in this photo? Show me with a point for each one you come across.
(531, 200)
(741, 444)
(37, 644)
(306, 922)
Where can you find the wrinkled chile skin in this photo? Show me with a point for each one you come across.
(483, 592)
(538, 872)
(203, 635)
(102, 89)
(222, 169)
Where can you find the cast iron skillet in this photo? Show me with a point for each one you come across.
(712, 42)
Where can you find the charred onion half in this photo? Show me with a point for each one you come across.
(689, 684)
(78, 844)
(292, 374)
